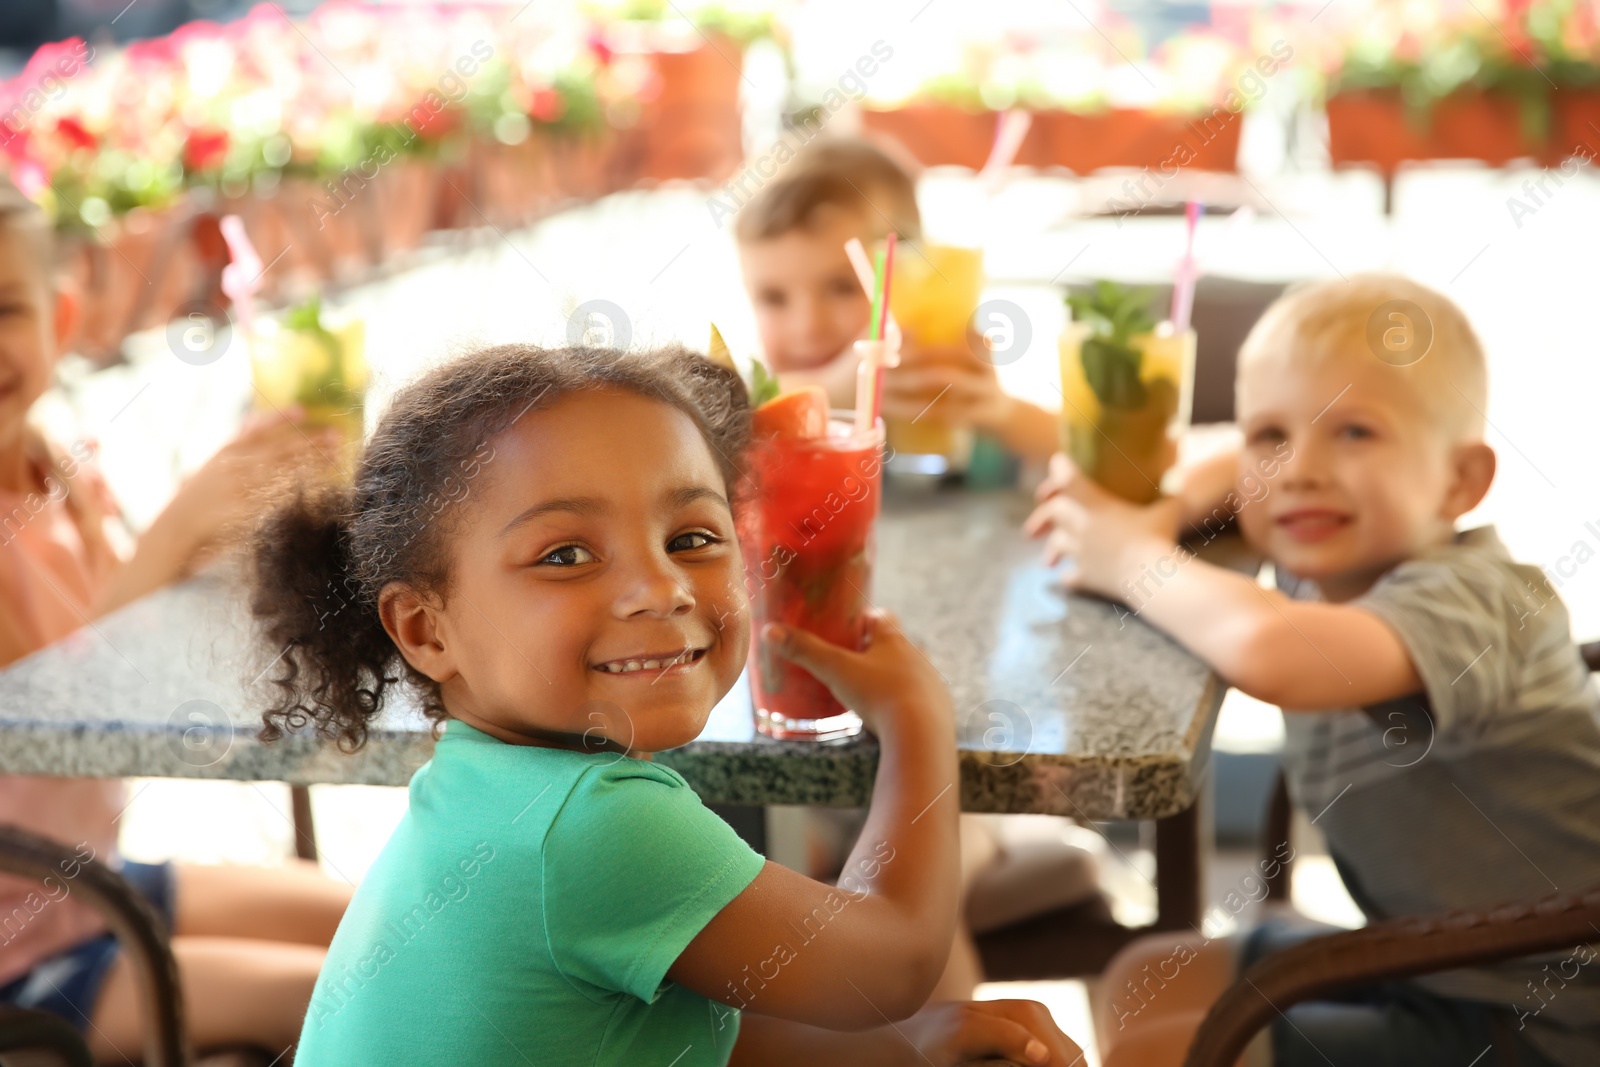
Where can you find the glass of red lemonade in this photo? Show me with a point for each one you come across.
(808, 549)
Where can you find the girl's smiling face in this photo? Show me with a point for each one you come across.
(596, 588)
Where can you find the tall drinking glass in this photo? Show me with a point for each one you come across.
(323, 371)
(1126, 437)
(808, 562)
(934, 293)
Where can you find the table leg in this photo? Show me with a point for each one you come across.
(1080, 940)
(305, 830)
(1183, 848)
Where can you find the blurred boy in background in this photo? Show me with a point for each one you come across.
(810, 307)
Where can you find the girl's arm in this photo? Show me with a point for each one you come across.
(226, 494)
(162, 556)
(870, 950)
(1300, 656)
(943, 1035)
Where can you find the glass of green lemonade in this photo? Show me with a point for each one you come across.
(1127, 386)
(321, 366)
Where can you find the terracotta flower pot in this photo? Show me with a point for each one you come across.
(1577, 121)
(1121, 137)
(1129, 137)
(513, 183)
(143, 269)
(407, 196)
(326, 231)
(938, 134)
(588, 166)
(1373, 127)
(691, 128)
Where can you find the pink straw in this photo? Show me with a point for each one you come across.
(888, 272)
(885, 324)
(241, 278)
(1187, 274)
(1009, 133)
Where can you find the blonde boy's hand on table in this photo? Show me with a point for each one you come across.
(1109, 539)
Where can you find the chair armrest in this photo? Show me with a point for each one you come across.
(37, 1037)
(130, 918)
(1396, 948)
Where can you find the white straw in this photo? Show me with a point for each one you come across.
(871, 353)
(858, 259)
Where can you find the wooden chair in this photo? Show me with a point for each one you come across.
(1397, 948)
(37, 1037)
(1383, 951)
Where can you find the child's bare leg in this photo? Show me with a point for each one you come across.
(295, 902)
(964, 970)
(1156, 978)
(236, 991)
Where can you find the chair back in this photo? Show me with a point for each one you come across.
(131, 919)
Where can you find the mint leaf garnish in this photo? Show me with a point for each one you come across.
(1114, 315)
(763, 384)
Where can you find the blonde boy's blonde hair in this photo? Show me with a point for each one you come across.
(1385, 319)
(844, 173)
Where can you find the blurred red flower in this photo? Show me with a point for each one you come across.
(548, 105)
(204, 149)
(74, 133)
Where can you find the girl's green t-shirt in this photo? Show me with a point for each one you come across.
(526, 911)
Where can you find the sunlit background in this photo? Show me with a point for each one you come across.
(576, 168)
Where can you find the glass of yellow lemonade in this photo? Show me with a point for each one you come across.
(1127, 386)
(322, 367)
(933, 295)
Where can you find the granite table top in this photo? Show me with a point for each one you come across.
(1065, 705)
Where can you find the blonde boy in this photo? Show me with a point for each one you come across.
(1442, 734)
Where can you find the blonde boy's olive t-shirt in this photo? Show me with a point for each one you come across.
(525, 911)
(1483, 789)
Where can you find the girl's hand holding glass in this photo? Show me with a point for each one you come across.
(891, 684)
